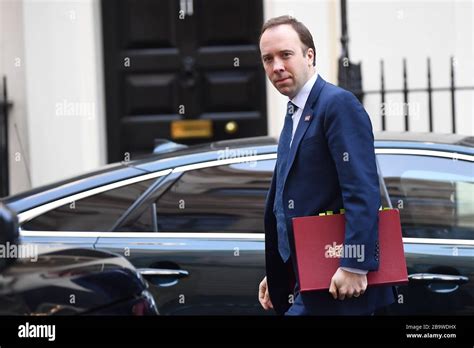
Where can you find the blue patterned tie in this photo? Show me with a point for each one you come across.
(282, 159)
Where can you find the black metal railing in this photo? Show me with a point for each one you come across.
(350, 78)
(349, 73)
(4, 166)
(405, 91)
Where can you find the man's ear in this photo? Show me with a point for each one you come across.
(310, 53)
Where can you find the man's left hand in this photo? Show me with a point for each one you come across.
(347, 284)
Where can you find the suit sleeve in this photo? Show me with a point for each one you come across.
(351, 143)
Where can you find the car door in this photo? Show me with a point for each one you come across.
(199, 239)
(434, 192)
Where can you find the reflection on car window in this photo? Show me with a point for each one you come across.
(227, 198)
(434, 195)
(96, 213)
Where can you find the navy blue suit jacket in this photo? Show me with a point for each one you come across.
(331, 165)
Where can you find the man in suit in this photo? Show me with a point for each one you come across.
(326, 161)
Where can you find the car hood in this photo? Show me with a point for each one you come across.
(69, 281)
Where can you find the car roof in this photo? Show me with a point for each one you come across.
(396, 139)
(419, 137)
(209, 152)
(438, 141)
(456, 143)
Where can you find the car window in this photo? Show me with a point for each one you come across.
(434, 195)
(384, 198)
(227, 198)
(95, 213)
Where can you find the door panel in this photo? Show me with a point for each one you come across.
(147, 23)
(224, 273)
(434, 196)
(209, 223)
(425, 297)
(141, 92)
(231, 22)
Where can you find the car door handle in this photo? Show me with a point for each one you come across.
(163, 277)
(160, 272)
(427, 278)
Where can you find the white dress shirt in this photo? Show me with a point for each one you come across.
(300, 101)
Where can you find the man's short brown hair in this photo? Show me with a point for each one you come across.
(303, 33)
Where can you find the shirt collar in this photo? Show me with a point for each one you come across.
(300, 99)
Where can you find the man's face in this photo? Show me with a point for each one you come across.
(282, 55)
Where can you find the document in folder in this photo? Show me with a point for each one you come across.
(319, 246)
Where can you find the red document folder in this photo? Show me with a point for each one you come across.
(319, 239)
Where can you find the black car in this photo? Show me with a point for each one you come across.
(192, 220)
(70, 281)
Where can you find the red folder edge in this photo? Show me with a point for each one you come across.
(316, 270)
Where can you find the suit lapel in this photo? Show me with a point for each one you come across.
(304, 123)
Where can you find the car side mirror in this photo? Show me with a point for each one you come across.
(9, 235)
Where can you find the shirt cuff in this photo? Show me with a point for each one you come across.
(355, 270)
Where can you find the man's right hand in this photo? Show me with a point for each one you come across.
(264, 296)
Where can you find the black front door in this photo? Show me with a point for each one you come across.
(185, 70)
